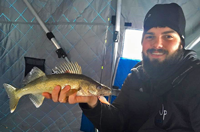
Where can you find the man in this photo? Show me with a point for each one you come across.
(162, 94)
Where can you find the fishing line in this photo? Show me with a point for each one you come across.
(102, 67)
(101, 116)
(104, 52)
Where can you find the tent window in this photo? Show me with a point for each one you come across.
(132, 44)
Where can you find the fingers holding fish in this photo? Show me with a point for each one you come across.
(56, 93)
(63, 97)
(73, 99)
(47, 95)
(90, 100)
(68, 95)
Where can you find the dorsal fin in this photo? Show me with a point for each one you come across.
(68, 67)
(33, 74)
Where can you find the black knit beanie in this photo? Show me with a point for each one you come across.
(166, 15)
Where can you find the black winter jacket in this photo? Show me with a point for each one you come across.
(145, 105)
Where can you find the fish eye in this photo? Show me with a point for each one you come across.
(99, 87)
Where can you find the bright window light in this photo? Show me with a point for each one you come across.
(132, 44)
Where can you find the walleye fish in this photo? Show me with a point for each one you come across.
(36, 82)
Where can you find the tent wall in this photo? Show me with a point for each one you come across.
(80, 28)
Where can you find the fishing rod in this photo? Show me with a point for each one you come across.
(60, 52)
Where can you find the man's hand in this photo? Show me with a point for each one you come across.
(63, 96)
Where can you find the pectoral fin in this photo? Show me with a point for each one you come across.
(37, 99)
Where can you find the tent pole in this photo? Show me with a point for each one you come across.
(116, 43)
(50, 36)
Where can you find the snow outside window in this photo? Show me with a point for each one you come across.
(132, 44)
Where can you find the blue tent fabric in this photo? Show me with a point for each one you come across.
(124, 68)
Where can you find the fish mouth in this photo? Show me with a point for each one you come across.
(106, 92)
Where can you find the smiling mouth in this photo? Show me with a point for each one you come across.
(157, 53)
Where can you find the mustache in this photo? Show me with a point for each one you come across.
(158, 50)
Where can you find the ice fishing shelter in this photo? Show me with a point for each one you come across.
(85, 31)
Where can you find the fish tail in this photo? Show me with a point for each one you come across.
(11, 91)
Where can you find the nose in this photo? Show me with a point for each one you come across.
(157, 43)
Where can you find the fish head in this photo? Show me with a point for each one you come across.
(99, 90)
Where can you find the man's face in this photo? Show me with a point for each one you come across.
(160, 44)
(161, 49)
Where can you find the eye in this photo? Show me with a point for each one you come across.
(168, 37)
(149, 37)
(99, 87)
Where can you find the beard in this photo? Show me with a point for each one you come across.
(159, 69)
